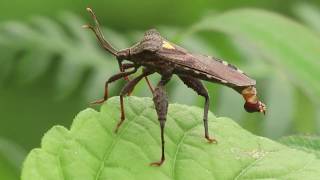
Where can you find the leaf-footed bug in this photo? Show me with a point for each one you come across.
(157, 55)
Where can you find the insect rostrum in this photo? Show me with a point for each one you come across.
(155, 54)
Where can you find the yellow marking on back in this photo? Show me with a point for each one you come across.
(167, 45)
(225, 63)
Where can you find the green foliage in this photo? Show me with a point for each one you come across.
(128, 14)
(288, 49)
(310, 144)
(11, 157)
(308, 14)
(30, 50)
(91, 150)
(265, 51)
(44, 59)
(270, 39)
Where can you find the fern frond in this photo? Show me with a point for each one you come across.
(28, 50)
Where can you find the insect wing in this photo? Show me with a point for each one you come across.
(219, 69)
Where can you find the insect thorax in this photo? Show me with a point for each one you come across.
(151, 41)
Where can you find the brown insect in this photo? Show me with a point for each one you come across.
(157, 55)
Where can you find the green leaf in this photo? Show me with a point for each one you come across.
(286, 45)
(91, 150)
(310, 144)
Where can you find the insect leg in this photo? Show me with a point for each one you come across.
(112, 79)
(122, 69)
(160, 100)
(149, 85)
(128, 88)
(200, 89)
(125, 66)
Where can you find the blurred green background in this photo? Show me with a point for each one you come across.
(51, 68)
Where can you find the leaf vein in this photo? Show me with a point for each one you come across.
(114, 142)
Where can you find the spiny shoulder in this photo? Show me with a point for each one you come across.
(152, 32)
(152, 40)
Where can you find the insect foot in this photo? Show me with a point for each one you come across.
(118, 126)
(100, 101)
(211, 140)
(158, 163)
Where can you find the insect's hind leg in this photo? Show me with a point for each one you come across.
(112, 79)
(128, 88)
(160, 100)
(197, 86)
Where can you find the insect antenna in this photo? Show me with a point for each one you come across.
(97, 31)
